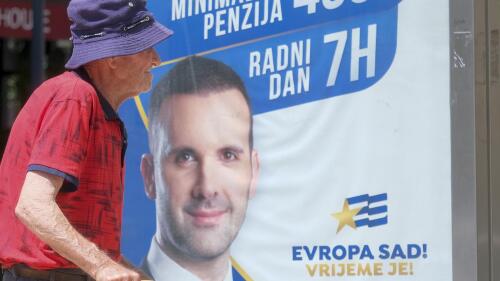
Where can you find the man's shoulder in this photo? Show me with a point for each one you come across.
(66, 86)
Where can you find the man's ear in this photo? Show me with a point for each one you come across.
(114, 64)
(148, 176)
(111, 62)
(255, 173)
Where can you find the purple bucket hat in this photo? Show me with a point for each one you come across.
(107, 28)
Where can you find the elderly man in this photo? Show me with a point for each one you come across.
(61, 177)
(202, 170)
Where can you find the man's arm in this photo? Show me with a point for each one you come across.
(38, 210)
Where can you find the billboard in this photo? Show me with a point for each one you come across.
(351, 122)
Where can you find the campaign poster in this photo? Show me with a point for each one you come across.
(351, 122)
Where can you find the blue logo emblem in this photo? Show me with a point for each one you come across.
(363, 210)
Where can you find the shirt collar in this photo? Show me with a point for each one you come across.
(109, 112)
(163, 268)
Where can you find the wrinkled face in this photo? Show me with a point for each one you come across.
(135, 70)
(204, 173)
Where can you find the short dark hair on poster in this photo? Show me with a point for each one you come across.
(195, 75)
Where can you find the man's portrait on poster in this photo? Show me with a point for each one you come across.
(201, 172)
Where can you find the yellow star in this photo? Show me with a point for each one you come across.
(346, 216)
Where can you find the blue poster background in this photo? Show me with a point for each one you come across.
(235, 49)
